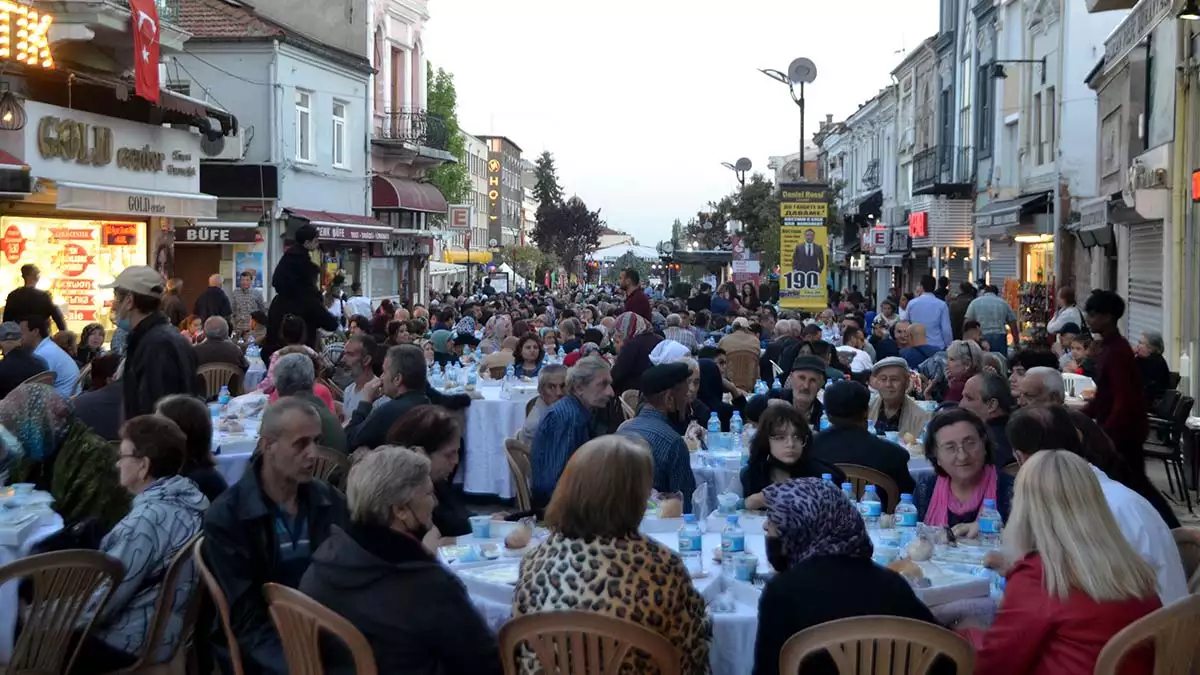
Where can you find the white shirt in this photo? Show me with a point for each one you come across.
(351, 398)
(66, 371)
(360, 305)
(860, 360)
(1146, 532)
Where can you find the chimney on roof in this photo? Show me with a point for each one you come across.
(829, 118)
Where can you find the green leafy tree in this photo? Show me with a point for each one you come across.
(547, 190)
(452, 178)
(569, 230)
(627, 261)
(757, 207)
(528, 261)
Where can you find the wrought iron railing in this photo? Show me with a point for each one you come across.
(414, 125)
(871, 176)
(168, 10)
(943, 165)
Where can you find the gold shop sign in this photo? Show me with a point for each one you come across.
(91, 144)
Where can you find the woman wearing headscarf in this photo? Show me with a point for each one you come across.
(61, 454)
(817, 542)
(634, 339)
(494, 332)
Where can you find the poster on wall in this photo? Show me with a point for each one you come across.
(803, 267)
(75, 258)
(253, 262)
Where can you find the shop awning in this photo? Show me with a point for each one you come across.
(1001, 218)
(438, 269)
(127, 202)
(406, 195)
(15, 178)
(458, 255)
(346, 227)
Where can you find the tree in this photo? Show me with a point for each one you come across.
(451, 178)
(757, 207)
(528, 261)
(569, 230)
(627, 261)
(709, 229)
(547, 190)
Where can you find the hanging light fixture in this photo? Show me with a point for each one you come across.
(12, 113)
(1190, 11)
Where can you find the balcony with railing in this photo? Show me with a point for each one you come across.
(106, 22)
(415, 128)
(943, 165)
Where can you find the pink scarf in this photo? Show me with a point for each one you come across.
(944, 502)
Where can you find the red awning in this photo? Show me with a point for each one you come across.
(12, 162)
(406, 194)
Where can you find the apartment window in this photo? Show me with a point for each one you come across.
(987, 116)
(1051, 124)
(304, 123)
(1036, 137)
(339, 135)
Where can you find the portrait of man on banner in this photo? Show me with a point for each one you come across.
(809, 256)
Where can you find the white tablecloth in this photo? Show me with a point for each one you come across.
(9, 607)
(732, 648)
(728, 477)
(233, 451)
(491, 420)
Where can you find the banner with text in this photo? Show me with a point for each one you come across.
(802, 262)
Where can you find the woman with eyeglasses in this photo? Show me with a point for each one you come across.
(959, 448)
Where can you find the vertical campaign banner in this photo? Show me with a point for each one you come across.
(803, 263)
(803, 245)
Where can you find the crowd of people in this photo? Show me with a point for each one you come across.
(628, 381)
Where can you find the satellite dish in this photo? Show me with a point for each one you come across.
(802, 71)
(743, 164)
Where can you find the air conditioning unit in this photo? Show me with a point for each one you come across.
(228, 148)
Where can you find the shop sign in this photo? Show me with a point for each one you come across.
(899, 239)
(1137, 25)
(14, 244)
(73, 260)
(97, 199)
(30, 31)
(459, 217)
(493, 174)
(215, 234)
(61, 144)
(879, 239)
(120, 234)
(918, 225)
(351, 233)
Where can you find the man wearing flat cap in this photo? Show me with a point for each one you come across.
(849, 442)
(807, 378)
(665, 389)
(158, 360)
(895, 410)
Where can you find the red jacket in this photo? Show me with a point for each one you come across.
(1035, 634)
(638, 303)
(1119, 406)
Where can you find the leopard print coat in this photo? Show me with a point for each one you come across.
(635, 579)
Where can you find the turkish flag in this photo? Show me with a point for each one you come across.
(144, 16)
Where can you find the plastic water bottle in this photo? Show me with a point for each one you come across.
(989, 524)
(828, 382)
(848, 490)
(775, 384)
(828, 478)
(735, 429)
(691, 544)
(472, 378)
(733, 541)
(714, 432)
(870, 507)
(906, 519)
(824, 422)
(561, 354)
(510, 373)
(223, 397)
(760, 387)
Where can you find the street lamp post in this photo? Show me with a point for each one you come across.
(739, 169)
(800, 71)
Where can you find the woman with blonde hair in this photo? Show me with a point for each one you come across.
(1076, 582)
(595, 560)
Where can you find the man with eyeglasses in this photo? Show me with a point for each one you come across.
(894, 409)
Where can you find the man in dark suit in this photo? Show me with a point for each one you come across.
(849, 442)
(809, 256)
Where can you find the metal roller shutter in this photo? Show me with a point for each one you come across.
(1004, 258)
(1145, 279)
(959, 270)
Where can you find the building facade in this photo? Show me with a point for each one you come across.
(786, 168)
(505, 194)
